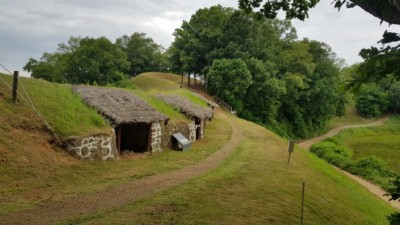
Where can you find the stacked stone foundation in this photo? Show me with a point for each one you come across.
(99, 147)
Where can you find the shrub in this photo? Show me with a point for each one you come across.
(370, 167)
(332, 153)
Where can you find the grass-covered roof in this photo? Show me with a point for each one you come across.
(186, 106)
(119, 106)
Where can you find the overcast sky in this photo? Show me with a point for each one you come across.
(28, 28)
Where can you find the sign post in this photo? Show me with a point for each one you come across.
(290, 148)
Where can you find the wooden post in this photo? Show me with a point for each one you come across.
(15, 86)
(182, 81)
(189, 79)
(149, 137)
(118, 133)
(302, 203)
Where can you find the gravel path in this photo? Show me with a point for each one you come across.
(119, 196)
(376, 190)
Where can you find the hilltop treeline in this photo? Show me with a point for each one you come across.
(98, 60)
(256, 65)
(259, 67)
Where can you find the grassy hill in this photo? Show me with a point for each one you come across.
(255, 185)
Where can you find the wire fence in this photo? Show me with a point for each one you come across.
(28, 100)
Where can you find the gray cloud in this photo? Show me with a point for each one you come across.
(28, 28)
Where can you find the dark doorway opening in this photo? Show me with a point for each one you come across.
(133, 137)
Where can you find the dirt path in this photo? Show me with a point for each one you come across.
(307, 143)
(119, 196)
(376, 190)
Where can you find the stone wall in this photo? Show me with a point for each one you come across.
(99, 147)
(156, 137)
(192, 131)
(187, 129)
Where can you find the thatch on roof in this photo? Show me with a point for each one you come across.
(119, 106)
(186, 106)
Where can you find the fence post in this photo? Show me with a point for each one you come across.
(15, 86)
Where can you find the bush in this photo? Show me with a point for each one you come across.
(370, 167)
(332, 153)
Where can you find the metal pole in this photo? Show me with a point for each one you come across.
(15, 86)
(302, 203)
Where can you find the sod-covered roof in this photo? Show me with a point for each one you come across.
(119, 106)
(186, 106)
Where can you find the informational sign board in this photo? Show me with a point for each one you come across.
(291, 146)
(182, 142)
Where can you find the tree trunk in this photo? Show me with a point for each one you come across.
(189, 79)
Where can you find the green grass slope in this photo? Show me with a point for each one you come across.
(63, 110)
(165, 83)
(255, 185)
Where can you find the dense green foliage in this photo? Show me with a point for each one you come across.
(98, 60)
(229, 79)
(394, 97)
(83, 60)
(257, 66)
(386, 10)
(381, 63)
(371, 101)
(143, 54)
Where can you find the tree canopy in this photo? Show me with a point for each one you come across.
(143, 54)
(386, 10)
(81, 60)
(98, 60)
(259, 67)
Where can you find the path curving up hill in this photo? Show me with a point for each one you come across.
(375, 189)
(118, 196)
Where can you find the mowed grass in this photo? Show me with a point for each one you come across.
(255, 185)
(151, 81)
(161, 106)
(54, 175)
(164, 83)
(62, 109)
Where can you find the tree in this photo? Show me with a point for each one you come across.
(50, 67)
(82, 60)
(143, 54)
(386, 10)
(371, 101)
(197, 38)
(379, 63)
(229, 79)
(394, 96)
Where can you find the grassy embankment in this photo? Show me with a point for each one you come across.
(371, 152)
(28, 158)
(350, 118)
(254, 186)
